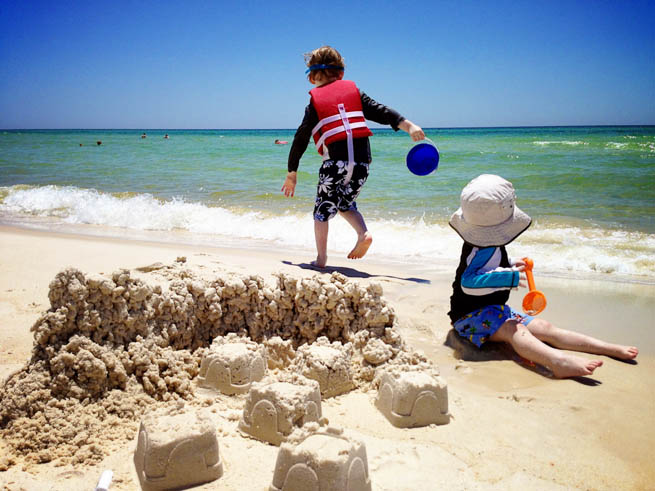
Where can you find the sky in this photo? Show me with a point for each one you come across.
(223, 64)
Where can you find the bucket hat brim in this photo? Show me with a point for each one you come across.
(492, 235)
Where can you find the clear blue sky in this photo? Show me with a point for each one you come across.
(196, 64)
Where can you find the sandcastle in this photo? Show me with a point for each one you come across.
(328, 364)
(232, 364)
(274, 409)
(111, 348)
(321, 459)
(412, 398)
(172, 454)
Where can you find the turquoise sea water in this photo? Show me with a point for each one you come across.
(590, 190)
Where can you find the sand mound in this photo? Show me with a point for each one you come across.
(110, 348)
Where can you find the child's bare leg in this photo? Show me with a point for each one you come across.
(562, 364)
(364, 237)
(321, 235)
(575, 341)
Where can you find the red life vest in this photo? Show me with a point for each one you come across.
(339, 108)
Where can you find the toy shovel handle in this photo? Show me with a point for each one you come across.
(535, 301)
(528, 273)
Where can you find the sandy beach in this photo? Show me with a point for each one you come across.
(511, 426)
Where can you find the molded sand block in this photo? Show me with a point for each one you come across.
(274, 409)
(175, 452)
(415, 398)
(328, 364)
(326, 460)
(233, 366)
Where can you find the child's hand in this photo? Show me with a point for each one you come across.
(520, 267)
(522, 279)
(414, 130)
(289, 186)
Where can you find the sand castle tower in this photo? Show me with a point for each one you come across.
(326, 460)
(412, 398)
(176, 451)
(274, 409)
(327, 363)
(232, 364)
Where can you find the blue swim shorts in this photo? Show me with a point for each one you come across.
(479, 325)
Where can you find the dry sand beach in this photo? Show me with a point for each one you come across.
(511, 426)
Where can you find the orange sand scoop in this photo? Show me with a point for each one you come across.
(534, 301)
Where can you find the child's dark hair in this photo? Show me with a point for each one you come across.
(325, 55)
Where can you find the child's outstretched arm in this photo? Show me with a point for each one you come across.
(414, 130)
(289, 186)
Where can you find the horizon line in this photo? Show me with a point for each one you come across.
(373, 128)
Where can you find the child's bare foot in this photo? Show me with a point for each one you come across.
(361, 247)
(319, 262)
(621, 352)
(573, 366)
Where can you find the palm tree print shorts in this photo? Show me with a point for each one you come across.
(333, 192)
(479, 325)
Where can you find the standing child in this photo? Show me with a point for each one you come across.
(335, 118)
(488, 220)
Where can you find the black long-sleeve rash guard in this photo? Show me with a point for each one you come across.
(373, 111)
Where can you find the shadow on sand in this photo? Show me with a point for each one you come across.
(351, 272)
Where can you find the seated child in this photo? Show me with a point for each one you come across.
(488, 220)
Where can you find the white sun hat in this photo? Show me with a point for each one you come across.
(488, 215)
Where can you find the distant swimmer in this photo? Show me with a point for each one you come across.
(166, 136)
(98, 142)
(281, 142)
(143, 135)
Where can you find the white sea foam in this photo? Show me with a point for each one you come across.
(560, 249)
(560, 142)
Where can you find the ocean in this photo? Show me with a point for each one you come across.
(589, 190)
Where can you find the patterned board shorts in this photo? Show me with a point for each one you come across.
(480, 325)
(332, 194)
